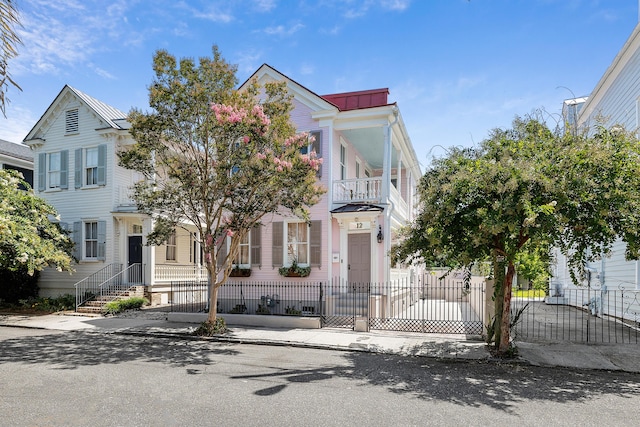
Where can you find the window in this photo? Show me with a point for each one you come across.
(357, 169)
(297, 243)
(242, 259)
(315, 144)
(91, 240)
(343, 162)
(296, 239)
(171, 248)
(71, 121)
(54, 170)
(91, 166)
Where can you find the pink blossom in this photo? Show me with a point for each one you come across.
(261, 156)
(230, 233)
(245, 139)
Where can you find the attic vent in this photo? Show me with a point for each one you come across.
(71, 123)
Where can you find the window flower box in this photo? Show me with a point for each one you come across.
(294, 270)
(240, 272)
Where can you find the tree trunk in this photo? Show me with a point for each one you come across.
(505, 325)
(213, 299)
(498, 299)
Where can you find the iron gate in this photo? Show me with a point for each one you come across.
(432, 305)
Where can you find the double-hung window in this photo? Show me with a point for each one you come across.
(298, 243)
(54, 170)
(91, 166)
(91, 240)
(171, 247)
(315, 145)
(89, 237)
(242, 258)
(343, 162)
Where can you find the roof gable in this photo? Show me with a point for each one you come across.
(267, 73)
(111, 116)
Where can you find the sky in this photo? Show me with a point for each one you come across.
(456, 68)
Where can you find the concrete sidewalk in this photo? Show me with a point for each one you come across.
(615, 357)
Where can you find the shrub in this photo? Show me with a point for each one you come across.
(18, 285)
(207, 329)
(118, 306)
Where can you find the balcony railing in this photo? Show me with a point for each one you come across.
(168, 272)
(357, 190)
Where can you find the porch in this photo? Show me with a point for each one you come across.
(367, 190)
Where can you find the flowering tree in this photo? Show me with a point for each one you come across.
(29, 240)
(217, 158)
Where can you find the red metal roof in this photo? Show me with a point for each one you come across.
(356, 100)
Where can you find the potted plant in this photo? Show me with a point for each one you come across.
(240, 272)
(294, 270)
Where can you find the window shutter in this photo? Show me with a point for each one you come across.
(102, 240)
(42, 174)
(277, 245)
(256, 246)
(222, 254)
(102, 164)
(78, 168)
(316, 146)
(315, 244)
(77, 240)
(64, 169)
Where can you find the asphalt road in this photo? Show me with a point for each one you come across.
(50, 378)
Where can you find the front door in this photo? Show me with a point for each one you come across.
(135, 257)
(360, 261)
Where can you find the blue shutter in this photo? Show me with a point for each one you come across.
(102, 164)
(77, 240)
(102, 240)
(42, 171)
(64, 169)
(78, 168)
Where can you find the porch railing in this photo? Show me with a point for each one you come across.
(169, 272)
(357, 190)
(89, 287)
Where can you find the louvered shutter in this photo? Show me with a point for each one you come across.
(78, 168)
(315, 244)
(256, 246)
(42, 171)
(64, 169)
(276, 244)
(102, 164)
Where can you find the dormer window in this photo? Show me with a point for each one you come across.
(71, 121)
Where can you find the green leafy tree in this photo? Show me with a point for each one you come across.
(527, 185)
(9, 20)
(29, 240)
(217, 158)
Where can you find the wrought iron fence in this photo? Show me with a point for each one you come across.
(428, 305)
(594, 315)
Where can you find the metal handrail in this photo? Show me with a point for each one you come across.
(88, 287)
(117, 284)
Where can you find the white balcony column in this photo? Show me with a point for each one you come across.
(386, 165)
(399, 173)
(148, 253)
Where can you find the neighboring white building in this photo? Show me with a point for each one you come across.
(370, 170)
(17, 157)
(616, 97)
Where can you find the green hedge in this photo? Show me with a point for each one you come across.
(117, 306)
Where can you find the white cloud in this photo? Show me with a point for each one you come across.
(307, 69)
(265, 5)
(248, 61)
(283, 31)
(18, 123)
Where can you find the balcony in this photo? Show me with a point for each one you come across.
(359, 190)
(125, 201)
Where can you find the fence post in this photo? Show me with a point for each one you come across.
(489, 305)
